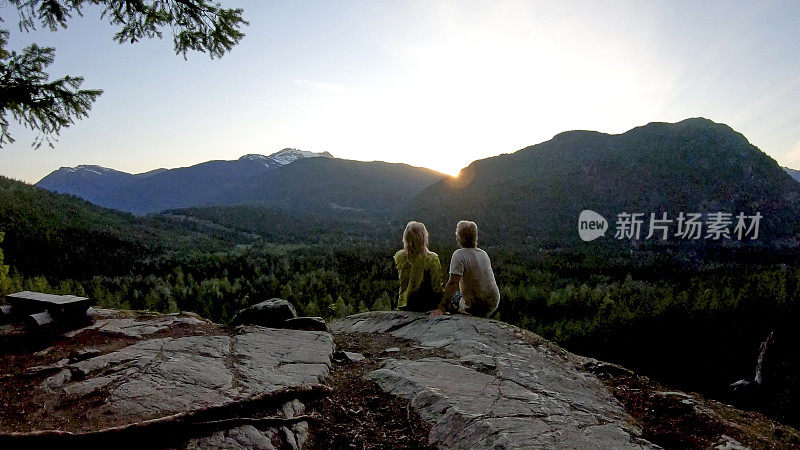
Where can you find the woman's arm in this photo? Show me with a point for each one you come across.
(436, 275)
(404, 275)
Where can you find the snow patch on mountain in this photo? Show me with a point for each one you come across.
(289, 155)
(266, 160)
(284, 157)
(87, 168)
(99, 170)
(95, 170)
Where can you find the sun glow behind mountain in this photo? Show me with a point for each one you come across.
(433, 84)
(471, 83)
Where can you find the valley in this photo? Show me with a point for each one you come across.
(320, 232)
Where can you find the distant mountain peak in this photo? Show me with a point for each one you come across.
(694, 123)
(288, 155)
(254, 157)
(578, 134)
(693, 165)
(90, 168)
(285, 156)
(700, 121)
(94, 170)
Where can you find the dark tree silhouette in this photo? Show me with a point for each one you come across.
(27, 95)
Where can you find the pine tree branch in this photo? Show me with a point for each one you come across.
(48, 107)
(36, 103)
(198, 25)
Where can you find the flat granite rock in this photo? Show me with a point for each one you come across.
(535, 396)
(160, 377)
(131, 324)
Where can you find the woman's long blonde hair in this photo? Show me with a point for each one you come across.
(415, 240)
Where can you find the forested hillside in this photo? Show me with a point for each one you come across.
(288, 227)
(63, 236)
(331, 186)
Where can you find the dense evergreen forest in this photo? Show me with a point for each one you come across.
(687, 321)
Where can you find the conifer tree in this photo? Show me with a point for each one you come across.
(31, 99)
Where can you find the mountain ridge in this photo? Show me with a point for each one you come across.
(695, 165)
(535, 193)
(161, 189)
(794, 173)
(284, 156)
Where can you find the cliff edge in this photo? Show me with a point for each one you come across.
(496, 386)
(385, 379)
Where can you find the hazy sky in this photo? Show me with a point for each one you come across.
(430, 83)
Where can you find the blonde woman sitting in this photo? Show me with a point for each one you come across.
(419, 270)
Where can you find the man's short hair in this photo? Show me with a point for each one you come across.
(467, 234)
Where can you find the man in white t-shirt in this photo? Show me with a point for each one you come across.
(471, 286)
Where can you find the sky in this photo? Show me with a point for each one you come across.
(430, 83)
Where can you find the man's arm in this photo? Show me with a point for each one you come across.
(449, 290)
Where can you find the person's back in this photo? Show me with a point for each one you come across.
(471, 287)
(419, 271)
(477, 284)
(420, 281)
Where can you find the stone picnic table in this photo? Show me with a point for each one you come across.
(44, 310)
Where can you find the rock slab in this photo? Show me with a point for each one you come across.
(137, 325)
(159, 377)
(504, 388)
